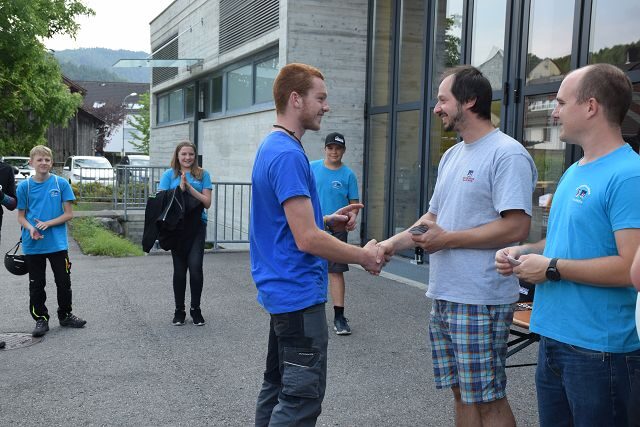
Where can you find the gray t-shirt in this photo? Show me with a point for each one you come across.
(476, 182)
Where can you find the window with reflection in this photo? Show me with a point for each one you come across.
(615, 33)
(189, 101)
(411, 50)
(381, 52)
(266, 72)
(216, 94)
(550, 39)
(448, 38)
(541, 137)
(487, 41)
(163, 109)
(176, 105)
(239, 88)
(377, 166)
(406, 191)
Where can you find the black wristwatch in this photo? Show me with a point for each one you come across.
(552, 271)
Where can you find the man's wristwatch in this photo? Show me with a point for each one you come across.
(552, 271)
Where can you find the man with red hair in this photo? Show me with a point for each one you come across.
(289, 250)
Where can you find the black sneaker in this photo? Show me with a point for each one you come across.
(341, 326)
(196, 315)
(2, 344)
(178, 318)
(72, 321)
(42, 326)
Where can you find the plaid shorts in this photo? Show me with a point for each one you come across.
(469, 348)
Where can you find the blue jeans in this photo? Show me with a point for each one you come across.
(580, 387)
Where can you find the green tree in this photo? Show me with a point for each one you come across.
(141, 122)
(32, 93)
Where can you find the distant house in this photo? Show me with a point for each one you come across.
(106, 100)
(79, 136)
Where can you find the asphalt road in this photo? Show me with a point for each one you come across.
(130, 366)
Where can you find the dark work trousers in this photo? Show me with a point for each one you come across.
(189, 257)
(61, 267)
(296, 375)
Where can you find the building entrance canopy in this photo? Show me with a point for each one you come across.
(153, 63)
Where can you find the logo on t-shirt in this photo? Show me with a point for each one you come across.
(581, 193)
(54, 193)
(469, 177)
(336, 184)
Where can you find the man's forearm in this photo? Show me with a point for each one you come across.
(323, 245)
(611, 271)
(496, 234)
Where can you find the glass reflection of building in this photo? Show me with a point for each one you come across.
(524, 48)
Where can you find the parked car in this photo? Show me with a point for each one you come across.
(21, 167)
(88, 169)
(134, 168)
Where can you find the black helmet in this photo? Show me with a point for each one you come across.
(14, 263)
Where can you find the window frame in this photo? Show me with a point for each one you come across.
(223, 73)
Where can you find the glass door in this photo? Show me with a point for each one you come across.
(545, 55)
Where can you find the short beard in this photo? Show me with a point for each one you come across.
(455, 121)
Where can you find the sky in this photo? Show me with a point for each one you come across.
(117, 24)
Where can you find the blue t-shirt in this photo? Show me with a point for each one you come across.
(44, 201)
(591, 203)
(169, 181)
(335, 187)
(287, 278)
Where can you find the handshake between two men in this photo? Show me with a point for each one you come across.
(425, 233)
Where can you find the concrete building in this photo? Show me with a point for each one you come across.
(382, 60)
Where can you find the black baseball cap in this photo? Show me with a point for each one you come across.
(334, 138)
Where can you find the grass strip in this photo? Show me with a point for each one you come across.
(94, 239)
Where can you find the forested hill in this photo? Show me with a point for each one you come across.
(96, 64)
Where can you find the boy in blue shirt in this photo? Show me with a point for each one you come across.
(337, 187)
(44, 207)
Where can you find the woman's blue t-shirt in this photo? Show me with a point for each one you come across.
(170, 181)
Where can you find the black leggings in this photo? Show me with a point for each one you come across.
(61, 267)
(189, 257)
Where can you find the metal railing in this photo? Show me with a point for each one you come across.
(229, 216)
(127, 188)
(134, 185)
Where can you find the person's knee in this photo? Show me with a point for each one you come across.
(498, 407)
(456, 393)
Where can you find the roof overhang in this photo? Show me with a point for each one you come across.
(154, 63)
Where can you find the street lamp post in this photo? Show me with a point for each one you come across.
(124, 119)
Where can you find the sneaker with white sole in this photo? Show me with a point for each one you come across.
(341, 326)
(196, 315)
(178, 318)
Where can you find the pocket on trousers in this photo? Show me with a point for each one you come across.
(301, 372)
(633, 370)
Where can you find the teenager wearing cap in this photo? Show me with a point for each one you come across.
(337, 187)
